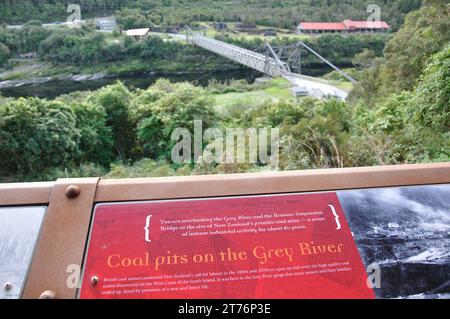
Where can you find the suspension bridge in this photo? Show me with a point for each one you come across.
(271, 64)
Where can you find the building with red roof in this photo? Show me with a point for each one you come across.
(346, 26)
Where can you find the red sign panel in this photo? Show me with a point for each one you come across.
(281, 246)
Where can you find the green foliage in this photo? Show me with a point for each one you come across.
(96, 143)
(145, 168)
(276, 13)
(425, 32)
(4, 54)
(35, 23)
(70, 47)
(20, 11)
(370, 84)
(40, 138)
(432, 97)
(26, 39)
(115, 100)
(218, 87)
(411, 125)
(165, 107)
(35, 134)
(87, 48)
(313, 133)
(132, 19)
(335, 77)
(85, 169)
(364, 59)
(398, 131)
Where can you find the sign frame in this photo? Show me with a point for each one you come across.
(65, 229)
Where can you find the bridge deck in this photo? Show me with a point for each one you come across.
(243, 56)
(266, 65)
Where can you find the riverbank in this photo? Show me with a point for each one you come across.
(34, 74)
(41, 80)
(37, 70)
(34, 77)
(52, 87)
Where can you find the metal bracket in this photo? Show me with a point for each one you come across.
(62, 239)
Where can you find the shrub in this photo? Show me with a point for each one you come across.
(115, 100)
(36, 134)
(165, 107)
(96, 142)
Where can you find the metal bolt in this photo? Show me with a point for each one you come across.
(94, 280)
(72, 191)
(48, 294)
(8, 285)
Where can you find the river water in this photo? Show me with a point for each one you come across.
(55, 88)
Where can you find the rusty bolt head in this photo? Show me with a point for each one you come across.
(8, 285)
(72, 191)
(48, 294)
(94, 280)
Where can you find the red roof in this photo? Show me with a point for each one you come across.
(366, 24)
(322, 26)
(343, 26)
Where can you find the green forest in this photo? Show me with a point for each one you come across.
(398, 112)
(80, 50)
(284, 14)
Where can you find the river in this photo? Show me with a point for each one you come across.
(55, 88)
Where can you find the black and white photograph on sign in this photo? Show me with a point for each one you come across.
(406, 232)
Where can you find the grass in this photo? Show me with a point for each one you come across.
(272, 90)
(339, 81)
(25, 69)
(345, 86)
(9, 76)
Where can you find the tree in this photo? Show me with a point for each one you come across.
(4, 53)
(313, 133)
(167, 106)
(424, 33)
(410, 126)
(432, 98)
(370, 84)
(115, 100)
(114, 51)
(364, 59)
(141, 22)
(96, 142)
(36, 134)
(275, 13)
(31, 37)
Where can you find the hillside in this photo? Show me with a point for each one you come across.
(284, 14)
